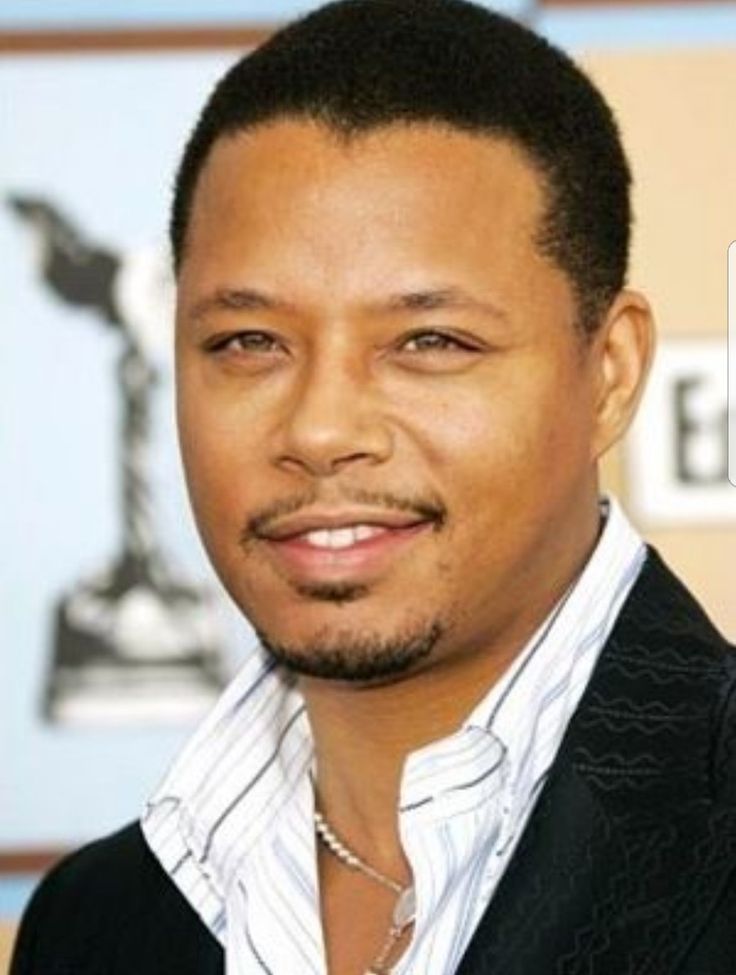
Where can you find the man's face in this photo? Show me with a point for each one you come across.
(386, 412)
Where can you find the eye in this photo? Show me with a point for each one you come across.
(243, 342)
(433, 341)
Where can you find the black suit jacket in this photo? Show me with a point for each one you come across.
(627, 865)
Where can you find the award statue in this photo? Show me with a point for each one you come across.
(132, 642)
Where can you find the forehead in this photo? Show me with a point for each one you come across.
(295, 200)
(397, 162)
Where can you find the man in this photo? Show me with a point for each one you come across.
(485, 729)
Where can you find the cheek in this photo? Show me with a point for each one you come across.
(521, 444)
(217, 458)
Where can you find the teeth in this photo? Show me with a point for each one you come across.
(320, 539)
(341, 537)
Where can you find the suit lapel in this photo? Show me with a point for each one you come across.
(625, 852)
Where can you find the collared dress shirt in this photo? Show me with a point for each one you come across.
(232, 823)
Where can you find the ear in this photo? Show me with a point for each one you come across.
(623, 350)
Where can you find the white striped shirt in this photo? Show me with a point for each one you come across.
(232, 822)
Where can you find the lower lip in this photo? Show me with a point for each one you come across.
(367, 556)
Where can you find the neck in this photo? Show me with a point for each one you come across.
(363, 735)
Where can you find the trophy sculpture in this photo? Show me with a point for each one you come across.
(132, 642)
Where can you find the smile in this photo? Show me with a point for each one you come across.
(349, 551)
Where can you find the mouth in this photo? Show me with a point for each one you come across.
(348, 551)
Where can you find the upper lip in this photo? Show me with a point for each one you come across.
(315, 520)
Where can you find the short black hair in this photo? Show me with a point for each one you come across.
(358, 65)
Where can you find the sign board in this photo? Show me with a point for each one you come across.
(678, 449)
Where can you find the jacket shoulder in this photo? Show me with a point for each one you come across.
(110, 908)
(665, 643)
(662, 608)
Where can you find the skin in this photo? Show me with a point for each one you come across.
(329, 385)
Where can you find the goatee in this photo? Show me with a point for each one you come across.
(352, 657)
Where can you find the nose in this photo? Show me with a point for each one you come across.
(333, 420)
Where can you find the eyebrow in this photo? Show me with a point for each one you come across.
(250, 299)
(441, 298)
(238, 299)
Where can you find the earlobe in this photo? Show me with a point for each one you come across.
(625, 346)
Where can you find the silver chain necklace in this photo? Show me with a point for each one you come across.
(405, 907)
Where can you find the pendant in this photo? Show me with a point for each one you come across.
(405, 909)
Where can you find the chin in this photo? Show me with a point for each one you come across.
(360, 657)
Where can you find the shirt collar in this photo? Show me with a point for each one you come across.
(583, 616)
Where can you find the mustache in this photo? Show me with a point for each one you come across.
(426, 507)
